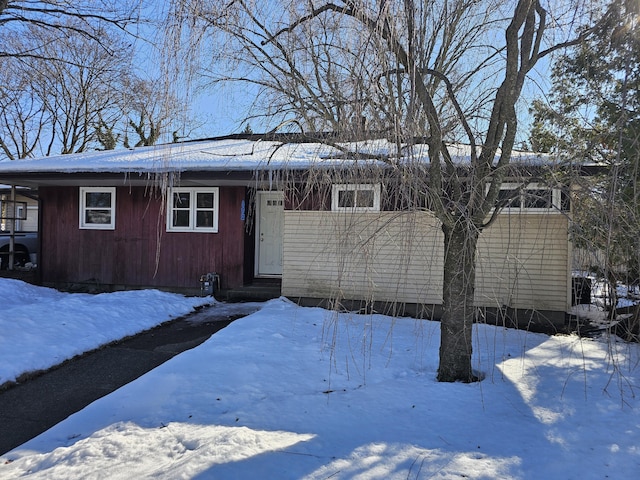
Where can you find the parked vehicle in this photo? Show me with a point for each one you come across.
(25, 245)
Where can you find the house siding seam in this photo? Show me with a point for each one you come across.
(398, 257)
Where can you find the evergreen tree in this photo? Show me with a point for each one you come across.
(592, 115)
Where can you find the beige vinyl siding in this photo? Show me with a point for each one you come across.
(523, 263)
(379, 256)
(396, 256)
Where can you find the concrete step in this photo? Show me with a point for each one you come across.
(251, 293)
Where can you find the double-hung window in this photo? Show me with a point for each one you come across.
(98, 208)
(355, 198)
(193, 210)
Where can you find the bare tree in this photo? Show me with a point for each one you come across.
(435, 72)
(151, 111)
(69, 93)
(22, 116)
(66, 98)
(57, 58)
(87, 18)
(106, 135)
(82, 89)
(322, 68)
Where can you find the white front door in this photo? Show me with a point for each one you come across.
(269, 233)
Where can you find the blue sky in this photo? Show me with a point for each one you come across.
(222, 110)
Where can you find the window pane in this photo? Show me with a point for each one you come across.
(100, 217)
(205, 200)
(346, 198)
(565, 201)
(510, 196)
(98, 199)
(180, 218)
(540, 198)
(204, 218)
(181, 199)
(193, 209)
(364, 198)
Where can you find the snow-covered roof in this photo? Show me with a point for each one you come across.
(205, 155)
(224, 155)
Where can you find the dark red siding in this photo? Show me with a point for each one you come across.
(139, 252)
(302, 197)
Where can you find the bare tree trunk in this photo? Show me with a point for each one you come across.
(412, 70)
(460, 244)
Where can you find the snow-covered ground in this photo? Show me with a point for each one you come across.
(291, 392)
(41, 327)
(596, 313)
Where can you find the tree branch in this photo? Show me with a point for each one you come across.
(452, 96)
(329, 7)
(64, 13)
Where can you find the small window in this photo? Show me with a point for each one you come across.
(533, 198)
(193, 209)
(356, 198)
(98, 208)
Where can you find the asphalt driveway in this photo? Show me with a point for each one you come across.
(29, 408)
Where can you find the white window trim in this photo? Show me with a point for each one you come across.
(192, 209)
(336, 188)
(556, 198)
(83, 207)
